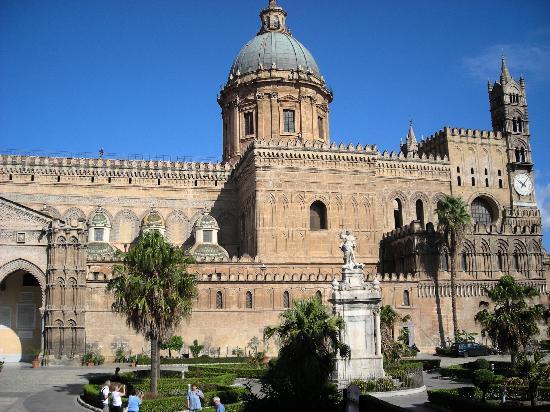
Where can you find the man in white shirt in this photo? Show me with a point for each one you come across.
(105, 395)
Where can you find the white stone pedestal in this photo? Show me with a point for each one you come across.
(358, 303)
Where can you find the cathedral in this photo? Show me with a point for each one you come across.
(264, 224)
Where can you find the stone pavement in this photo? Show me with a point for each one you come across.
(51, 389)
(418, 402)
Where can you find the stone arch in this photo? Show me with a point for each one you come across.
(125, 226)
(177, 227)
(493, 202)
(50, 211)
(24, 265)
(73, 213)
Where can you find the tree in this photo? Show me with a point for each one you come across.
(393, 350)
(195, 348)
(174, 343)
(153, 289)
(453, 216)
(483, 379)
(253, 344)
(309, 338)
(535, 372)
(513, 321)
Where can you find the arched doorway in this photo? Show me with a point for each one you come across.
(22, 287)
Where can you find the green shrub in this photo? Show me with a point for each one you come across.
(240, 371)
(90, 395)
(444, 352)
(482, 364)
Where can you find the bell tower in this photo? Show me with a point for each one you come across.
(509, 115)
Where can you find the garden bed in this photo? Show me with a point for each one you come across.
(172, 390)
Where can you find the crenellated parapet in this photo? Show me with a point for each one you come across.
(114, 168)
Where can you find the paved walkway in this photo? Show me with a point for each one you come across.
(51, 389)
(418, 402)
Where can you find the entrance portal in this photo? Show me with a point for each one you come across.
(20, 318)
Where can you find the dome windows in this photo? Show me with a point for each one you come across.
(249, 123)
(288, 121)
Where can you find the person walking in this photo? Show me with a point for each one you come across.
(134, 401)
(194, 396)
(104, 395)
(117, 394)
(218, 405)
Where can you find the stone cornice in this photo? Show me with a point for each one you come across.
(65, 166)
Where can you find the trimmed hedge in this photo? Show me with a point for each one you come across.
(240, 371)
(145, 360)
(458, 372)
(467, 399)
(178, 403)
(427, 364)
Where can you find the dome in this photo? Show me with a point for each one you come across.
(205, 221)
(153, 219)
(274, 50)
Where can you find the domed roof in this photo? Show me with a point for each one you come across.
(274, 50)
(152, 219)
(205, 221)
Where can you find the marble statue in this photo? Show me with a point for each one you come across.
(349, 243)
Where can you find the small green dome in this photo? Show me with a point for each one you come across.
(152, 219)
(205, 221)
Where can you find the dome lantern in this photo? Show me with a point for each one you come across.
(273, 19)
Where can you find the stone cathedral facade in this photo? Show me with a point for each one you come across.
(264, 224)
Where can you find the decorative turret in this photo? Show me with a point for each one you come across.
(411, 145)
(206, 247)
(505, 76)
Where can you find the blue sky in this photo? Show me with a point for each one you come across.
(142, 76)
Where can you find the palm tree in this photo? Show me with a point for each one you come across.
(393, 350)
(514, 321)
(453, 216)
(309, 338)
(155, 292)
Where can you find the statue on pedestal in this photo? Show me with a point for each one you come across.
(348, 245)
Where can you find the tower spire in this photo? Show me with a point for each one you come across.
(505, 76)
(411, 144)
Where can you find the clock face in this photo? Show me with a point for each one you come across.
(523, 184)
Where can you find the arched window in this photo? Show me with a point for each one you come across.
(219, 300)
(444, 260)
(459, 181)
(500, 261)
(248, 300)
(481, 211)
(464, 262)
(286, 299)
(486, 182)
(420, 212)
(319, 295)
(397, 213)
(276, 22)
(473, 181)
(516, 261)
(317, 216)
(500, 183)
(522, 155)
(406, 298)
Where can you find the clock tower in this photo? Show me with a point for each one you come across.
(509, 115)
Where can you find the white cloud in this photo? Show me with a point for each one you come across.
(531, 60)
